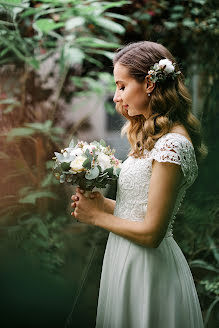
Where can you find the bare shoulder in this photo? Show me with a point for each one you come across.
(179, 128)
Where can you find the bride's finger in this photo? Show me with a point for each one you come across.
(74, 197)
(73, 204)
(80, 196)
(79, 190)
(94, 194)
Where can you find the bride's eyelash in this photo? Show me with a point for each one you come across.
(122, 88)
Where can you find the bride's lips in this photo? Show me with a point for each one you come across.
(125, 106)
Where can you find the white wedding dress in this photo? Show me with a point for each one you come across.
(145, 287)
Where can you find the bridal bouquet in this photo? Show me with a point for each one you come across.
(87, 165)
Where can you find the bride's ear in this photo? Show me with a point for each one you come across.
(149, 85)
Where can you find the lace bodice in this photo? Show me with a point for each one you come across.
(134, 179)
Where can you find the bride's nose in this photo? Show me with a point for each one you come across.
(116, 97)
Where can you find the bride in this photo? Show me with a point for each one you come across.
(146, 281)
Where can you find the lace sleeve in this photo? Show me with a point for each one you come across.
(177, 149)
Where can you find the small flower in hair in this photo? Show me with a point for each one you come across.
(160, 71)
(167, 65)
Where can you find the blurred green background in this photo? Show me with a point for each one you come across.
(53, 56)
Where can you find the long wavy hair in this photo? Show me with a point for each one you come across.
(170, 101)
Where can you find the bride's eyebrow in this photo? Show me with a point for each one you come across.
(119, 82)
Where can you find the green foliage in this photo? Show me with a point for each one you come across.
(87, 163)
(19, 132)
(199, 246)
(45, 25)
(197, 207)
(65, 166)
(196, 22)
(93, 173)
(211, 286)
(33, 196)
(68, 28)
(103, 143)
(42, 239)
(101, 83)
(11, 104)
(30, 129)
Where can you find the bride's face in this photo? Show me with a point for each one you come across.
(129, 93)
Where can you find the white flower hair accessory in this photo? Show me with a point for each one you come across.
(160, 71)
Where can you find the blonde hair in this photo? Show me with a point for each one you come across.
(170, 101)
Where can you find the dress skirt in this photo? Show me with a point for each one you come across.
(144, 287)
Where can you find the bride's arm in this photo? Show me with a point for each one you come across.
(163, 189)
(109, 205)
(164, 185)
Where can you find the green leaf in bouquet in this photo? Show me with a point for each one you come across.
(110, 171)
(65, 166)
(103, 143)
(69, 179)
(99, 167)
(87, 163)
(80, 175)
(67, 172)
(88, 154)
(103, 180)
(73, 178)
(85, 184)
(101, 184)
(95, 143)
(72, 143)
(89, 183)
(102, 174)
(111, 181)
(62, 178)
(118, 171)
(92, 174)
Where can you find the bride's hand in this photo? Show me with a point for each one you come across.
(87, 209)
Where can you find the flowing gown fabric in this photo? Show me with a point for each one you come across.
(144, 287)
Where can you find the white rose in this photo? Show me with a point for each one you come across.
(76, 164)
(104, 161)
(89, 147)
(169, 66)
(65, 154)
(76, 152)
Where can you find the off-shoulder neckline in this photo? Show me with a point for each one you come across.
(179, 135)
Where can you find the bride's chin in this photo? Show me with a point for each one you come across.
(131, 114)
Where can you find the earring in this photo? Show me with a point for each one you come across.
(149, 94)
